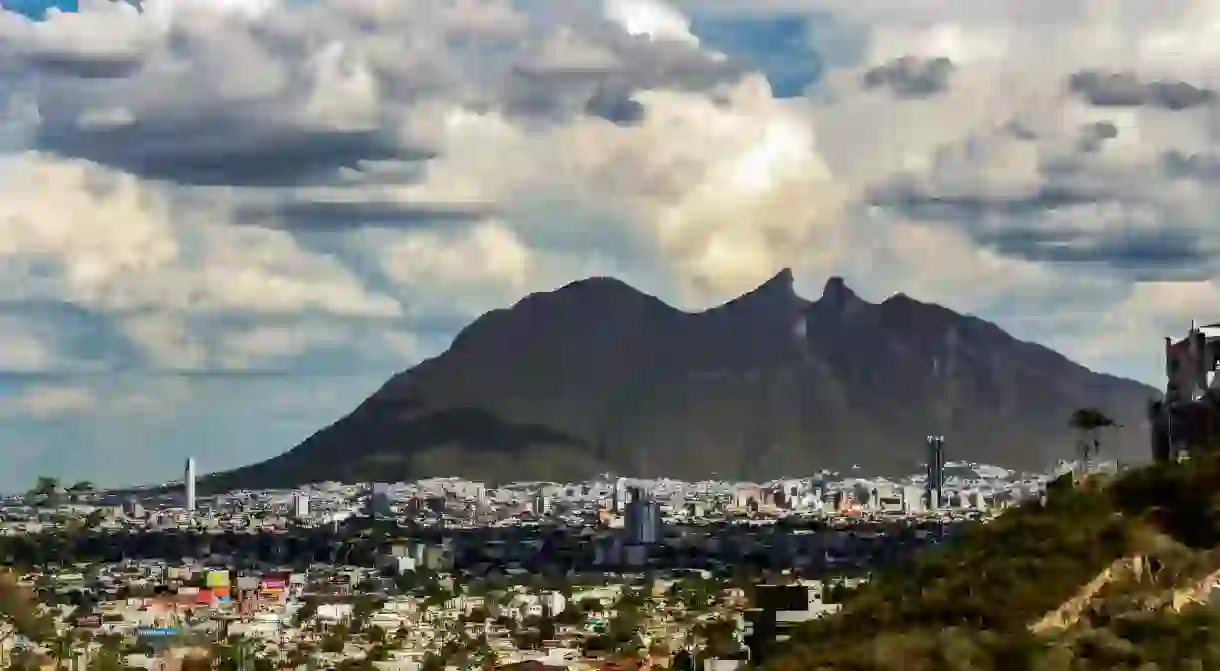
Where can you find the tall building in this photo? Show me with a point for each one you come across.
(643, 517)
(542, 504)
(188, 480)
(300, 505)
(935, 485)
(379, 502)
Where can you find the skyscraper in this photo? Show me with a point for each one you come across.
(300, 505)
(188, 480)
(643, 517)
(935, 485)
(380, 507)
(542, 504)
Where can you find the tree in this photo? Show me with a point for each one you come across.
(106, 659)
(362, 610)
(94, 519)
(694, 592)
(334, 643)
(79, 488)
(862, 494)
(307, 610)
(432, 662)
(1088, 422)
(45, 491)
(572, 614)
(488, 658)
(719, 637)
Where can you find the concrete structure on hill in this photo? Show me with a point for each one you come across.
(1187, 419)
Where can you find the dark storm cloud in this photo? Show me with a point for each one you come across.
(1124, 89)
(216, 108)
(1094, 135)
(333, 215)
(969, 207)
(537, 86)
(1017, 227)
(82, 66)
(220, 151)
(910, 77)
(1159, 251)
(1181, 165)
(616, 107)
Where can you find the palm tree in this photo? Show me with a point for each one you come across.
(45, 491)
(1088, 422)
(79, 488)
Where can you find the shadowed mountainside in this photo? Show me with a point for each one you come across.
(598, 376)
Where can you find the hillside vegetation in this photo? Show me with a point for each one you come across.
(1108, 574)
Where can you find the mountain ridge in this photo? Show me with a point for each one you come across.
(597, 375)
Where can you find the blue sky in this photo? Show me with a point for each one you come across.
(38, 8)
(223, 223)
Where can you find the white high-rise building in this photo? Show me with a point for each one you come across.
(188, 480)
(619, 500)
(542, 503)
(300, 505)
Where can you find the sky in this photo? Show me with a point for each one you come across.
(223, 223)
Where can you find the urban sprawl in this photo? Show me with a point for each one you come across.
(451, 574)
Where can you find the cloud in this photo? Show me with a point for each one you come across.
(333, 187)
(911, 77)
(49, 402)
(1123, 89)
(105, 240)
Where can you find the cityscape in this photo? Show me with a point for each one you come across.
(609, 335)
(448, 572)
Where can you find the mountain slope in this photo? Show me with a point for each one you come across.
(598, 376)
(1109, 574)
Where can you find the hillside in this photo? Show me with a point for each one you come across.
(1107, 575)
(598, 376)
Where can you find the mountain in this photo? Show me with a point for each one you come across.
(597, 376)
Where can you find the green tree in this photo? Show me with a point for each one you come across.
(45, 491)
(433, 662)
(1088, 423)
(718, 636)
(107, 658)
(78, 489)
(694, 592)
(334, 643)
(362, 610)
(376, 635)
(308, 609)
